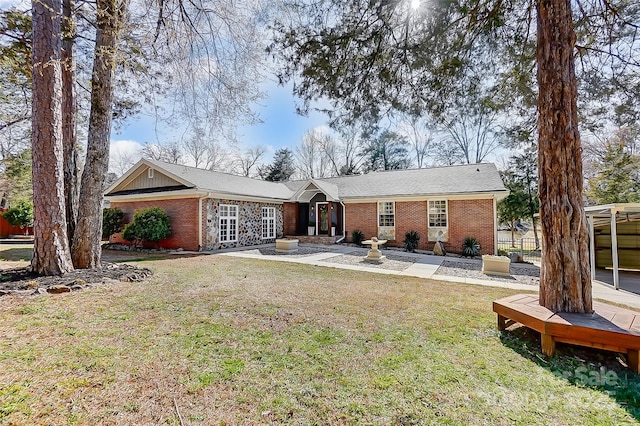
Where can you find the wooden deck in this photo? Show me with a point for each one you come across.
(608, 327)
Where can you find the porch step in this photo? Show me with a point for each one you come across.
(315, 239)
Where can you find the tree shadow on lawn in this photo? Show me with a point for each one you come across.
(16, 254)
(124, 256)
(587, 367)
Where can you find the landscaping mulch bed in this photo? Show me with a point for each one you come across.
(22, 281)
(357, 258)
(521, 273)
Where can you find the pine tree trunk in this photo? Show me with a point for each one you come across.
(69, 133)
(565, 281)
(86, 250)
(50, 248)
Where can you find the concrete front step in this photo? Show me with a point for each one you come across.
(315, 239)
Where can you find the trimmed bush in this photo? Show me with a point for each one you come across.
(151, 224)
(20, 215)
(111, 221)
(411, 240)
(357, 237)
(470, 247)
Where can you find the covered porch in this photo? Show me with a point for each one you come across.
(317, 215)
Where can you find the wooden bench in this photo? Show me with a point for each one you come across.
(608, 327)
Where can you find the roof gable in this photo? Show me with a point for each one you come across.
(146, 176)
(221, 184)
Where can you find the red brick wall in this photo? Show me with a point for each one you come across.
(471, 218)
(290, 218)
(467, 218)
(183, 216)
(411, 216)
(362, 216)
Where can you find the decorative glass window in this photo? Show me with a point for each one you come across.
(438, 214)
(268, 222)
(386, 214)
(228, 223)
(386, 220)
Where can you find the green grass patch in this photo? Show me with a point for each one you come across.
(16, 253)
(233, 341)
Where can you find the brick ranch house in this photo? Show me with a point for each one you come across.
(212, 210)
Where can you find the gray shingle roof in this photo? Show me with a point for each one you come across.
(208, 180)
(464, 179)
(473, 178)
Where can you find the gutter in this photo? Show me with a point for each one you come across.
(200, 218)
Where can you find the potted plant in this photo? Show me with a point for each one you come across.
(311, 228)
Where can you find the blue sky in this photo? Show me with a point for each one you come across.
(280, 125)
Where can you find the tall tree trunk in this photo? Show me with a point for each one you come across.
(51, 248)
(565, 281)
(69, 133)
(86, 241)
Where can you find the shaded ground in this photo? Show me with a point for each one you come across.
(16, 276)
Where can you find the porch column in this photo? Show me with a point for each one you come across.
(592, 247)
(614, 249)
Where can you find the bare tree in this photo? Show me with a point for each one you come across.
(345, 153)
(121, 161)
(214, 56)
(474, 133)
(169, 153)
(312, 159)
(205, 151)
(246, 161)
(196, 146)
(420, 137)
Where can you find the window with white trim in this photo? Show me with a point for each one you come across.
(268, 222)
(386, 213)
(228, 223)
(438, 214)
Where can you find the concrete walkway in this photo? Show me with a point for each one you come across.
(425, 266)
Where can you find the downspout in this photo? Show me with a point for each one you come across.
(200, 218)
(495, 225)
(344, 218)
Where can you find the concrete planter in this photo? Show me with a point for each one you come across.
(496, 265)
(286, 246)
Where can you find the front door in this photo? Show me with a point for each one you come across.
(323, 218)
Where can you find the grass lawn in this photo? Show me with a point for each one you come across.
(220, 340)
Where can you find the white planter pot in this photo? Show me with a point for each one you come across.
(333, 231)
(495, 265)
(311, 230)
(286, 246)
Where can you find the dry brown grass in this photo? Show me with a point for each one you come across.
(240, 341)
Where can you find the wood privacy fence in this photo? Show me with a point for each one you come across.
(6, 229)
